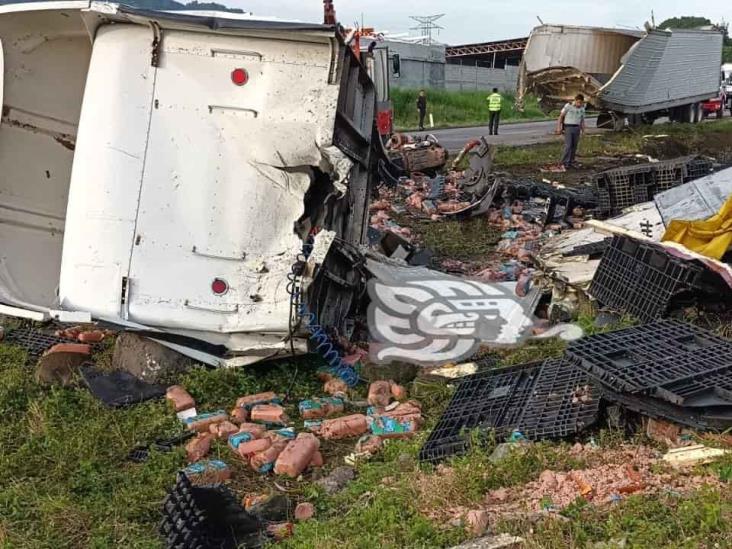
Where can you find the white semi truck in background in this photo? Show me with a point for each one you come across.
(727, 84)
(629, 77)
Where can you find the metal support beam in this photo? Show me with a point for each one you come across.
(486, 48)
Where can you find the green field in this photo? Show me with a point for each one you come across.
(456, 108)
(67, 483)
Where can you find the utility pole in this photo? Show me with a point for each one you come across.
(427, 25)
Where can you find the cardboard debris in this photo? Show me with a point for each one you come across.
(693, 455)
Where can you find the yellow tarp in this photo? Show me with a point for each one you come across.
(711, 238)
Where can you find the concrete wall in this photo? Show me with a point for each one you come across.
(425, 67)
(467, 77)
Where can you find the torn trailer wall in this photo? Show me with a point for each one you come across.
(192, 190)
(561, 61)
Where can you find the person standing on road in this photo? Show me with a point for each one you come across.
(495, 102)
(572, 123)
(422, 108)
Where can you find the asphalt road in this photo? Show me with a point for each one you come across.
(517, 134)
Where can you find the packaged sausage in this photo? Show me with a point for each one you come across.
(344, 427)
(202, 422)
(199, 447)
(379, 394)
(269, 414)
(298, 454)
(264, 462)
(180, 398)
(208, 472)
(318, 408)
(248, 449)
(250, 401)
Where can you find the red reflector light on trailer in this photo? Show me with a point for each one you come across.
(239, 77)
(219, 286)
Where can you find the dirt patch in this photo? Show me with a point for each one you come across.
(614, 476)
(718, 145)
(147, 359)
(606, 476)
(665, 148)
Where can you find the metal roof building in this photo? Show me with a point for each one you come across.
(495, 54)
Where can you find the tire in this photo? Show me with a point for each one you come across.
(686, 114)
(605, 121)
(635, 120)
(618, 123)
(696, 115)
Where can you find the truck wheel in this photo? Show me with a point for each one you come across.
(686, 114)
(696, 113)
(604, 120)
(635, 120)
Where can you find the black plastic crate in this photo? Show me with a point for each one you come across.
(207, 517)
(641, 279)
(539, 400)
(491, 399)
(34, 341)
(659, 409)
(670, 360)
(698, 167)
(620, 188)
(564, 401)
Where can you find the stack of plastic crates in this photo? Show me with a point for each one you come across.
(641, 279)
(667, 369)
(698, 167)
(621, 188)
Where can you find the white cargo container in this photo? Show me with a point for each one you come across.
(161, 170)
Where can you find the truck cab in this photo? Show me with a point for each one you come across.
(163, 170)
(727, 84)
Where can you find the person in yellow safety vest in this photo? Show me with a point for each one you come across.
(495, 102)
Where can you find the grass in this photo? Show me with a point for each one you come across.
(462, 240)
(457, 108)
(713, 138)
(66, 482)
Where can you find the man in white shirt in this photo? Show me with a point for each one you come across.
(572, 123)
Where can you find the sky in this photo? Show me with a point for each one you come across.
(467, 21)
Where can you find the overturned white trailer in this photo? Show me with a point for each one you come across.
(161, 171)
(624, 74)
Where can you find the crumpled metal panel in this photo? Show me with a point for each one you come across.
(561, 61)
(587, 49)
(698, 199)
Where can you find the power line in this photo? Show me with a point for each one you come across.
(426, 26)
